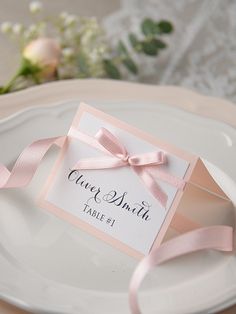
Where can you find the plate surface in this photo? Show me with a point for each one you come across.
(48, 265)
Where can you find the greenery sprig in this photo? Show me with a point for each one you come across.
(67, 46)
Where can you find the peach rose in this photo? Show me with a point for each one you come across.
(44, 52)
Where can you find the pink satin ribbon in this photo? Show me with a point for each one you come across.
(215, 237)
(142, 164)
(27, 163)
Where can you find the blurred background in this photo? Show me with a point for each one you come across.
(201, 53)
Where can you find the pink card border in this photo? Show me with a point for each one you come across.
(89, 228)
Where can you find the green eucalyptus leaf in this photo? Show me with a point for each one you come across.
(159, 43)
(149, 48)
(130, 65)
(133, 40)
(121, 48)
(148, 27)
(111, 69)
(164, 27)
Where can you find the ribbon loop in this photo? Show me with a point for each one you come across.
(111, 144)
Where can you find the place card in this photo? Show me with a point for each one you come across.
(121, 184)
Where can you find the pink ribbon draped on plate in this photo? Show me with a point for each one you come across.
(214, 237)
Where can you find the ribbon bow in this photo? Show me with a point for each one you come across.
(140, 163)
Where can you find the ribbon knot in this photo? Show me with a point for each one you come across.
(126, 158)
(119, 157)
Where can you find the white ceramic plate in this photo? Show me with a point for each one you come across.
(49, 266)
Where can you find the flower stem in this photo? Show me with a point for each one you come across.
(26, 69)
(7, 88)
